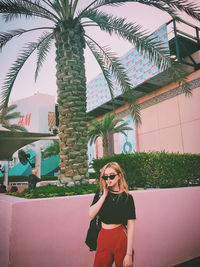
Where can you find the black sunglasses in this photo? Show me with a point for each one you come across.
(112, 176)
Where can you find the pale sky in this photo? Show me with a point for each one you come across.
(150, 18)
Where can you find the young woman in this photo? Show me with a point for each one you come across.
(116, 211)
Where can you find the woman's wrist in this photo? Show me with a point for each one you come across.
(130, 253)
(103, 197)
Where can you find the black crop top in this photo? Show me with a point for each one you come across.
(116, 209)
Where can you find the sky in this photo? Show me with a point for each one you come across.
(148, 17)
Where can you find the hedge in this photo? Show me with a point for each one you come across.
(23, 178)
(157, 170)
(56, 191)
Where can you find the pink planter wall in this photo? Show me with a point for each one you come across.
(51, 232)
(5, 226)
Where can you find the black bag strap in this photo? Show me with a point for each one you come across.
(97, 216)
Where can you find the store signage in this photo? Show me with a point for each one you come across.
(25, 120)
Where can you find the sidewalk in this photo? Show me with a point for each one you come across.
(192, 263)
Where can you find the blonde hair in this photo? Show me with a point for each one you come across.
(123, 187)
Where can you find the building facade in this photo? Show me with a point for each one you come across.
(35, 111)
(170, 119)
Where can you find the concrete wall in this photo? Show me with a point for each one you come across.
(51, 232)
(173, 124)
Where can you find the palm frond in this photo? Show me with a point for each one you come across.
(13, 115)
(43, 49)
(115, 67)
(101, 61)
(6, 116)
(11, 108)
(16, 127)
(66, 8)
(95, 131)
(94, 137)
(73, 8)
(178, 74)
(13, 9)
(124, 127)
(190, 8)
(118, 125)
(171, 7)
(51, 150)
(112, 63)
(117, 3)
(7, 36)
(14, 70)
(56, 6)
(144, 43)
(82, 11)
(134, 108)
(114, 123)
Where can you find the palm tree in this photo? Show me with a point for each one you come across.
(68, 31)
(51, 150)
(108, 126)
(6, 115)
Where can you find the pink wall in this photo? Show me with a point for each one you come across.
(51, 232)
(99, 147)
(6, 206)
(116, 143)
(172, 125)
(5, 225)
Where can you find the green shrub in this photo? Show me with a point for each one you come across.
(49, 178)
(92, 175)
(160, 169)
(23, 178)
(56, 191)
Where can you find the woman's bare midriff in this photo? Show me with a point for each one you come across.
(109, 226)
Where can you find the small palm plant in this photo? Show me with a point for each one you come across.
(109, 125)
(51, 150)
(6, 115)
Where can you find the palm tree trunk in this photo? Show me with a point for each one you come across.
(71, 84)
(6, 166)
(105, 146)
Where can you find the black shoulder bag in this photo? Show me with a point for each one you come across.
(93, 231)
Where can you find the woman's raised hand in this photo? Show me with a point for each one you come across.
(105, 189)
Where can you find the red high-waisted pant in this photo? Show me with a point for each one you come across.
(111, 246)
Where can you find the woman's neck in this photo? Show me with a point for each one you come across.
(115, 191)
